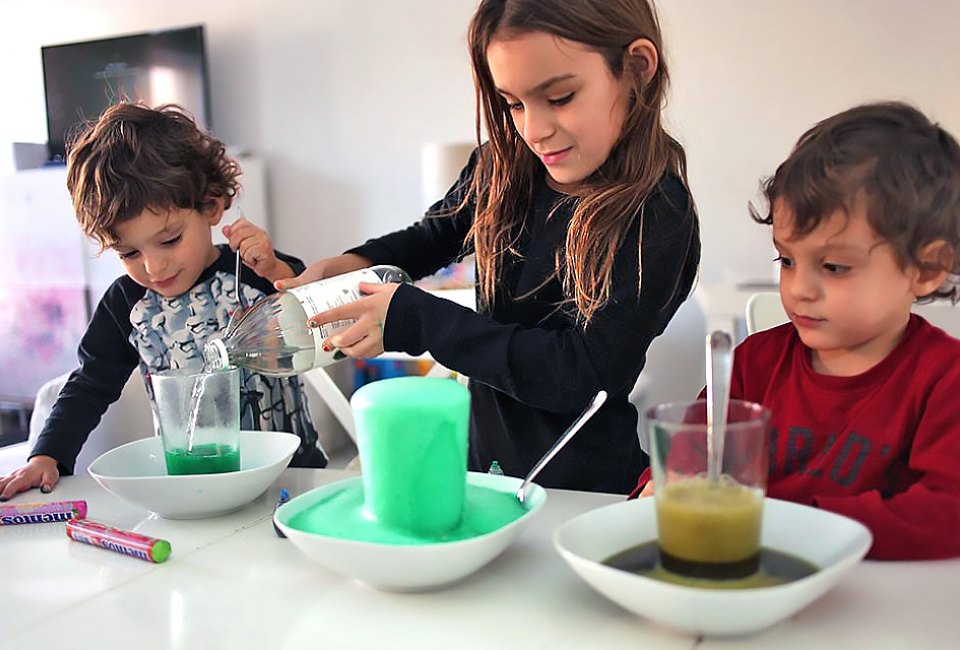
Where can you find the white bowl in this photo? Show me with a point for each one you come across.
(137, 472)
(831, 542)
(420, 567)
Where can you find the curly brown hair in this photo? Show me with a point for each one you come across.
(890, 158)
(135, 158)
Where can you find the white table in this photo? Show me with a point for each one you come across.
(232, 583)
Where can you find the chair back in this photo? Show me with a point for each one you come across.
(128, 419)
(764, 310)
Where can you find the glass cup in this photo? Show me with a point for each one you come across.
(198, 417)
(709, 528)
(412, 435)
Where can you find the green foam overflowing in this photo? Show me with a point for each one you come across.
(412, 435)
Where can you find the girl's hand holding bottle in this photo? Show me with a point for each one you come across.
(325, 268)
(274, 338)
(364, 338)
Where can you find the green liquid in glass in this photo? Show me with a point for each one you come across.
(203, 459)
(341, 514)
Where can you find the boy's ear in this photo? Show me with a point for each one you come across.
(214, 213)
(644, 56)
(935, 258)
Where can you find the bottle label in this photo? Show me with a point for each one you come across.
(333, 292)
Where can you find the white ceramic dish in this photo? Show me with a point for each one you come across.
(831, 542)
(407, 568)
(137, 472)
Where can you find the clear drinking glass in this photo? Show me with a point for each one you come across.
(198, 415)
(709, 528)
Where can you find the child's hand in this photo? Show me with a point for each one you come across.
(647, 490)
(326, 268)
(364, 338)
(40, 471)
(256, 250)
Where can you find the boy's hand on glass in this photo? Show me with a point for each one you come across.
(326, 268)
(647, 490)
(256, 250)
(40, 471)
(364, 338)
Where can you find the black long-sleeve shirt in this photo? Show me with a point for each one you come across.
(134, 326)
(532, 367)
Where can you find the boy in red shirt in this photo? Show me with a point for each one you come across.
(864, 394)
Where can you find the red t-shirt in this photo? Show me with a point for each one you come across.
(882, 447)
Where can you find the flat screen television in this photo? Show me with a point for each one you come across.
(82, 79)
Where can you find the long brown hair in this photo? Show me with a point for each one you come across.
(503, 184)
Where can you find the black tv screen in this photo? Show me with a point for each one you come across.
(82, 79)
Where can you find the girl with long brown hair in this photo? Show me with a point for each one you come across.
(585, 235)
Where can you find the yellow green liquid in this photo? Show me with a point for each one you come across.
(203, 459)
(774, 568)
(341, 514)
(706, 527)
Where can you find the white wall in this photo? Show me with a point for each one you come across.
(339, 95)
(752, 75)
(336, 95)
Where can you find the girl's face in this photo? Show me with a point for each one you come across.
(565, 102)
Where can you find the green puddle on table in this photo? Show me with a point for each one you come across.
(341, 514)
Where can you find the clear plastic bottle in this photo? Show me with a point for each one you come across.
(272, 337)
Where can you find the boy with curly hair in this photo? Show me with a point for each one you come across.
(149, 185)
(865, 421)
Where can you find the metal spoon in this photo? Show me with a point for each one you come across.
(719, 369)
(588, 412)
(238, 313)
(237, 275)
(240, 306)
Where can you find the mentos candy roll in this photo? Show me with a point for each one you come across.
(41, 513)
(125, 542)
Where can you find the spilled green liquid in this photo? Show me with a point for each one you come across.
(775, 568)
(341, 514)
(203, 459)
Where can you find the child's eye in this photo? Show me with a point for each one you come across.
(562, 100)
(835, 269)
(173, 241)
(127, 255)
(513, 107)
(785, 262)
